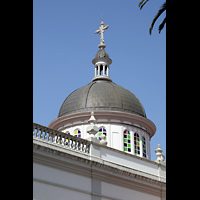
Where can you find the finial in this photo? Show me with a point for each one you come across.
(92, 119)
(160, 156)
(101, 30)
(92, 129)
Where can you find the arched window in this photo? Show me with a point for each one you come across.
(127, 141)
(77, 133)
(144, 147)
(137, 143)
(102, 130)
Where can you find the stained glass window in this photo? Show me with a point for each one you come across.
(137, 143)
(102, 131)
(144, 147)
(77, 133)
(127, 141)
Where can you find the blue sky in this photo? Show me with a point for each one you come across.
(64, 45)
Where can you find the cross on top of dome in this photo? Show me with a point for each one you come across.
(101, 30)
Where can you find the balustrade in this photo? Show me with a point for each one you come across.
(64, 140)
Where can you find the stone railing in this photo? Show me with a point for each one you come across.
(65, 140)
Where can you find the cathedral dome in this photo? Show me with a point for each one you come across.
(102, 95)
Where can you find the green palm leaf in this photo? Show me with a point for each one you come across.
(162, 25)
(163, 8)
(142, 4)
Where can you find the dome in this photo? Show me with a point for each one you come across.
(102, 53)
(102, 95)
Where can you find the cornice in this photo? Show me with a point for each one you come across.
(108, 116)
(87, 167)
(87, 160)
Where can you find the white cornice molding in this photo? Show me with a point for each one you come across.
(83, 165)
(57, 152)
(108, 116)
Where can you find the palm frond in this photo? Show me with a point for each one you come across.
(161, 26)
(163, 8)
(142, 4)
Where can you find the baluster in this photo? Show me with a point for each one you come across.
(41, 134)
(45, 134)
(34, 130)
(50, 136)
(62, 140)
(37, 134)
(33, 133)
(71, 143)
(65, 141)
(54, 137)
(83, 147)
(68, 142)
(57, 138)
(87, 148)
(78, 145)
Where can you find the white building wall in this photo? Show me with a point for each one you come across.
(44, 191)
(127, 194)
(60, 177)
(53, 183)
(56, 182)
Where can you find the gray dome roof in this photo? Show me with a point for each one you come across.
(102, 95)
(102, 53)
